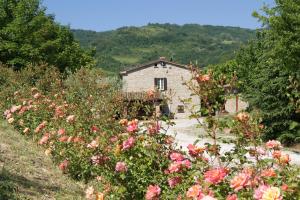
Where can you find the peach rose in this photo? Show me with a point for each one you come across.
(240, 181)
(26, 130)
(273, 144)
(242, 117)
(70, 118)
(11, 120)
(215, 176)
(268, 173)
(194, 192)
(284, 159)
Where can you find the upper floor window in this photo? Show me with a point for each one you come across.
(162, 63)
(160, 83)
(180, 108)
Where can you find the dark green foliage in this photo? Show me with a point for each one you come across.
(269, 68)
(28, 36)
(131, 45)
(7, 187)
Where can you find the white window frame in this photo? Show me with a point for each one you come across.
(160, 84)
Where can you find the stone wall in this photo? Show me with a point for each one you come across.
(143, 80)
(230, 105)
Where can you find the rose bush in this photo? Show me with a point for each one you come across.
(74, 120)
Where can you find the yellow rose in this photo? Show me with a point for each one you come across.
(273, 193)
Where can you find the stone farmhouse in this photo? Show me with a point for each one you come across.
(165, 76)
(168, 78)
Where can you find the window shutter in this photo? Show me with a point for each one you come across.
(155, 82)
(165, 83)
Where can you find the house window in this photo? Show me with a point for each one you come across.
(160, 83)
(163, 64)
(180, 109)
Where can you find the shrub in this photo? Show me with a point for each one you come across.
(127, 159)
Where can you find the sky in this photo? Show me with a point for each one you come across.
(103, 15)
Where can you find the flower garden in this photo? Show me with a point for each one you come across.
(74, 118)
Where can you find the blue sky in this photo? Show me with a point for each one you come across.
(102, 15)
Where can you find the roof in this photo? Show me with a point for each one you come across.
(161, 59)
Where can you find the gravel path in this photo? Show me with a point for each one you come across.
(186, 132)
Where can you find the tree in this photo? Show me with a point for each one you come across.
(28, 35)
(269, 68)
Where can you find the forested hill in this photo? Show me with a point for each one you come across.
(128, 46)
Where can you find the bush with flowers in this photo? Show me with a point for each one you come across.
(74, 120)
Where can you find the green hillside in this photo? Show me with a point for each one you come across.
(128, 46)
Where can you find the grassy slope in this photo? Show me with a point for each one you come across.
(25, 165)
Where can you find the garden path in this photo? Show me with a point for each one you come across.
(186, 132)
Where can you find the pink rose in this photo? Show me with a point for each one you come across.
(40, 127)
(127, 144)
(9, 115)
(121, 167)
(6, 112)
(177, 166)
(94, 144)
(176, 156)
(284, 187)
(59, 112)
(15, 108)
(207, 197)
(132, 126)
(61, 131)
(113, 139)
(37, 95)
(153, 192)
(63, 165)
(174, 167)
(22, 110)
(44, 139)
(258, 193)
(99, 159)
(78, 139)
(232, 197)
(185, 163)
(174, 181)
(63, 139)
